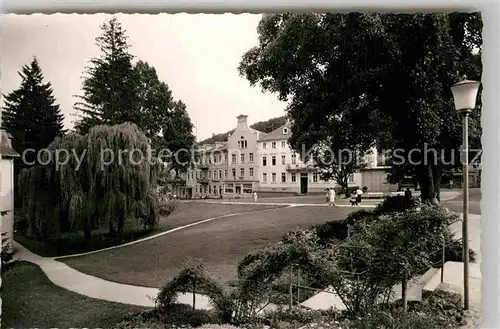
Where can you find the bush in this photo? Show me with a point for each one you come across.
(397, 203)
(365, 189)
(395, 320)
(165, 208)
(332, 230)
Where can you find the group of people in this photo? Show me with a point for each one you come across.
(331, 195)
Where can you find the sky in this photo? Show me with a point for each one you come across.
(196, 55)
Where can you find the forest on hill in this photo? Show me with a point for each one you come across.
(264, 126)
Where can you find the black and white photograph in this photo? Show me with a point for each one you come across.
(241, 171)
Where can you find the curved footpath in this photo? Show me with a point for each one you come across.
(66, 277)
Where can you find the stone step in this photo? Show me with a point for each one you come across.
(414, 286)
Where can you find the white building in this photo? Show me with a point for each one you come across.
(7, 185)
(252, 160)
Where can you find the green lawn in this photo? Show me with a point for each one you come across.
(185, 213)
(30, 300)
(220, 245)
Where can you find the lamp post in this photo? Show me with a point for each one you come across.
(464, 95)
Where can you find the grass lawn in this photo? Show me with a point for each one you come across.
(185, 213)
(30, 300)
(220, 245)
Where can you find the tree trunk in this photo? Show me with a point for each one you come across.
(112, 230)
(437, 174)
(87, 234)
(404, 297)
(425, 177)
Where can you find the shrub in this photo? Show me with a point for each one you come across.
(332, 230)
(397, 203)
(165, 208)
(365, 189)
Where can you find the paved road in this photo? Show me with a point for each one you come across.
(456, 204)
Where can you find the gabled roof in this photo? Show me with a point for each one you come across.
(277, 134)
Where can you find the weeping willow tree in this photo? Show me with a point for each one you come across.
(86, 182)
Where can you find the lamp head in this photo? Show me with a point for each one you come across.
(465, 94)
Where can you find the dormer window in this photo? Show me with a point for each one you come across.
(285, 131)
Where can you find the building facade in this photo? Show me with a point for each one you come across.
(7, 156)
(251, 160)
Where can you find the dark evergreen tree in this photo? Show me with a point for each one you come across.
(110, 89)
(30, 114)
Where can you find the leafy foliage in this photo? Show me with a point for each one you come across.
(386, 75)
(96, 186)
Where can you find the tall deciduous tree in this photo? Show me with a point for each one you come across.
(110, 94)
(163, 119)
(401, 65)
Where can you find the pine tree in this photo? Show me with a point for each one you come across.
(30, 114)
(110, 90)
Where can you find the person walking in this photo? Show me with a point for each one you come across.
(331, 199)
(255, 196)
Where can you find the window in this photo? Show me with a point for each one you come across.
(294, 158)
(274, 177)
(273, 160)
(273, 145)
(242, 172)
(283, 159)
(264, 177)
(209, 174)
(215, 189)
(315, 177)
(234, 172)
(250, 171)
(220, 174)
(209, 160)
(225, 173)
(209, 189)
(285, 131)
(239, 144)
(233, 158)
(245, 142)
(294, 177)
(264, 161)
(283, 144)
(351, 178)
(283, 177)
(250, 157)
(225, 158)
(242, 158)
(264, 146)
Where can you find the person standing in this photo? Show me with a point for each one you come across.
(255, 196)
(408, 194)
(331, 199)
(359, 193)
(327, 196)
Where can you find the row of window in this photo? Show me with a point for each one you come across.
(283, 160)
(218, 173)
(315, 177)
(273, 145)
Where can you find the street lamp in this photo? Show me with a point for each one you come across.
(464, 95)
